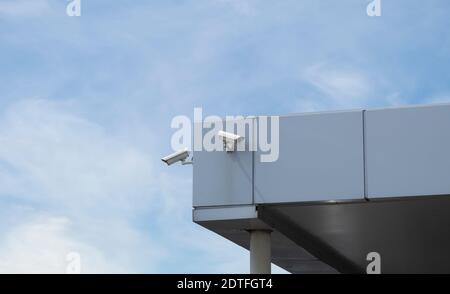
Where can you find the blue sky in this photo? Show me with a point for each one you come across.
(86, 104)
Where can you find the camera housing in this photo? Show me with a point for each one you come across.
(181, 156)
(230, 140)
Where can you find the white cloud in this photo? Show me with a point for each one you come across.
(441, 98)
(24, 8)
(81, 188)
(343, 87)
(80, 184)
(309, 105)
(61, 157)
(395, 99)
(41, 246)
(245, 7)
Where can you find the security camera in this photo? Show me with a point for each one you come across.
(229, 140)
(181, 156)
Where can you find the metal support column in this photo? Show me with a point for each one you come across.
(260, 256)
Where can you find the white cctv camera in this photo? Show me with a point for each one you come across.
(229, 140)
(181, 156)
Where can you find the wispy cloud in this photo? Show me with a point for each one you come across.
(79, 182)
(24, 8)
(42, 245)
(244, 7)
(438, 98)
(83, 159)
(60, 156)
(344, 87)
(79, 188)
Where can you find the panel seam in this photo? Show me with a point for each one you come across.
(253, 160)
(364, 145)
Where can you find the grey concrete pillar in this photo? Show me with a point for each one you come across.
(260, 256)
